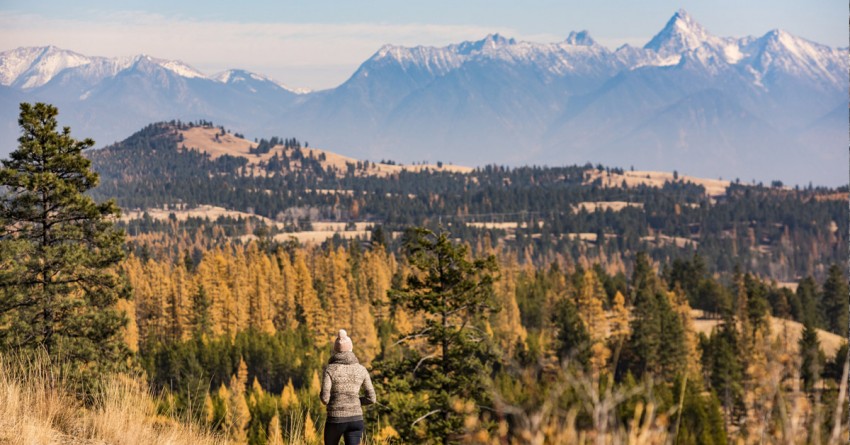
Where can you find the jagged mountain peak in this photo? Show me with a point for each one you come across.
(781, 51)
(32, 67)
(681, 33)
(580, 38)
(490, 42)
(239, 76)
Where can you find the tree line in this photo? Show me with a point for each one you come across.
(466, 345)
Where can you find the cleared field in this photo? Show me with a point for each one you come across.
(713, 187)
(323, 226)
(779, 328)
(322, 230)
(204, 211)
(310, 237)
(601, 206)
(583, 236)
(210, 140)
(678, 241)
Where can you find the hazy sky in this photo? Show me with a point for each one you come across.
(318, 44)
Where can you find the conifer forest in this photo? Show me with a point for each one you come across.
(495, 305)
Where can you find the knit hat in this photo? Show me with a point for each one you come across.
(343, 342)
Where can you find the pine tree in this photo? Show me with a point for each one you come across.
(812, 357)
(453, 295)
(834, 301)
(725, 366)
(201, 317)
(807, 293)
(643, 348)
(58, 251)
(573, 342)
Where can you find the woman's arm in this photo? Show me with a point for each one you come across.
(370, 390)
(325, 395)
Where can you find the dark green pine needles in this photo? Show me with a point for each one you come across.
(58, 252)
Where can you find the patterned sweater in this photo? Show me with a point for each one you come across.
(341, 384)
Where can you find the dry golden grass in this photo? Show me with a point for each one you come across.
(202, 211)
(601, 206)
(713, 187)
(662, 240)
(204, 139)
(36, 409)
(786, 330)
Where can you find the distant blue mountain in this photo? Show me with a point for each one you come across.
(764, 108)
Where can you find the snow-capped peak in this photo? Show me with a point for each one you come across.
(780, 50)
(491, 42)
(179, 68)
(35, 66)
(581, 38)
(681, 33)
(234, 76)
(495, 40)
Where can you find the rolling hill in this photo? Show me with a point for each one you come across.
(766, 108)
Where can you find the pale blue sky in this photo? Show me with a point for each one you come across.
(319, 43)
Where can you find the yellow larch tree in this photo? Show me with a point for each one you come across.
(315, 384)
(308, 306)
(288, 397)
(238, 413)
(338, 295)
(683, 310)
(507, 321)
(378, 278)
(239, 285)
(260, 312)
(618, 324)
(363, 332)
(178, 304)
(275, 435)
(589, 296)
(284, 294)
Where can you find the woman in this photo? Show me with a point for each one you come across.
(341, 384)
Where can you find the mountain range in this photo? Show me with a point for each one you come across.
(763, 108)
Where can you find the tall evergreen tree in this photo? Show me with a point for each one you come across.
(573, 340)
(452, 296)
(807, 292)
(834, 301)
(722, 360)
(58, 249)
(643, 348)
(812, 357)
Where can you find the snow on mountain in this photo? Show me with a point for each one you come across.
(436, 61)
(27, 68)
(518, 102)
(681, 33)
(180, 68)
(16, 61)
(780, 52)
(234, 76)
(580, 38)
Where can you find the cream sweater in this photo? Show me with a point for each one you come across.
(341, 384)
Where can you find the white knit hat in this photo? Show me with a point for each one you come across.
(343, 342)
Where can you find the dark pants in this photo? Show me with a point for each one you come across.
(351, 431)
